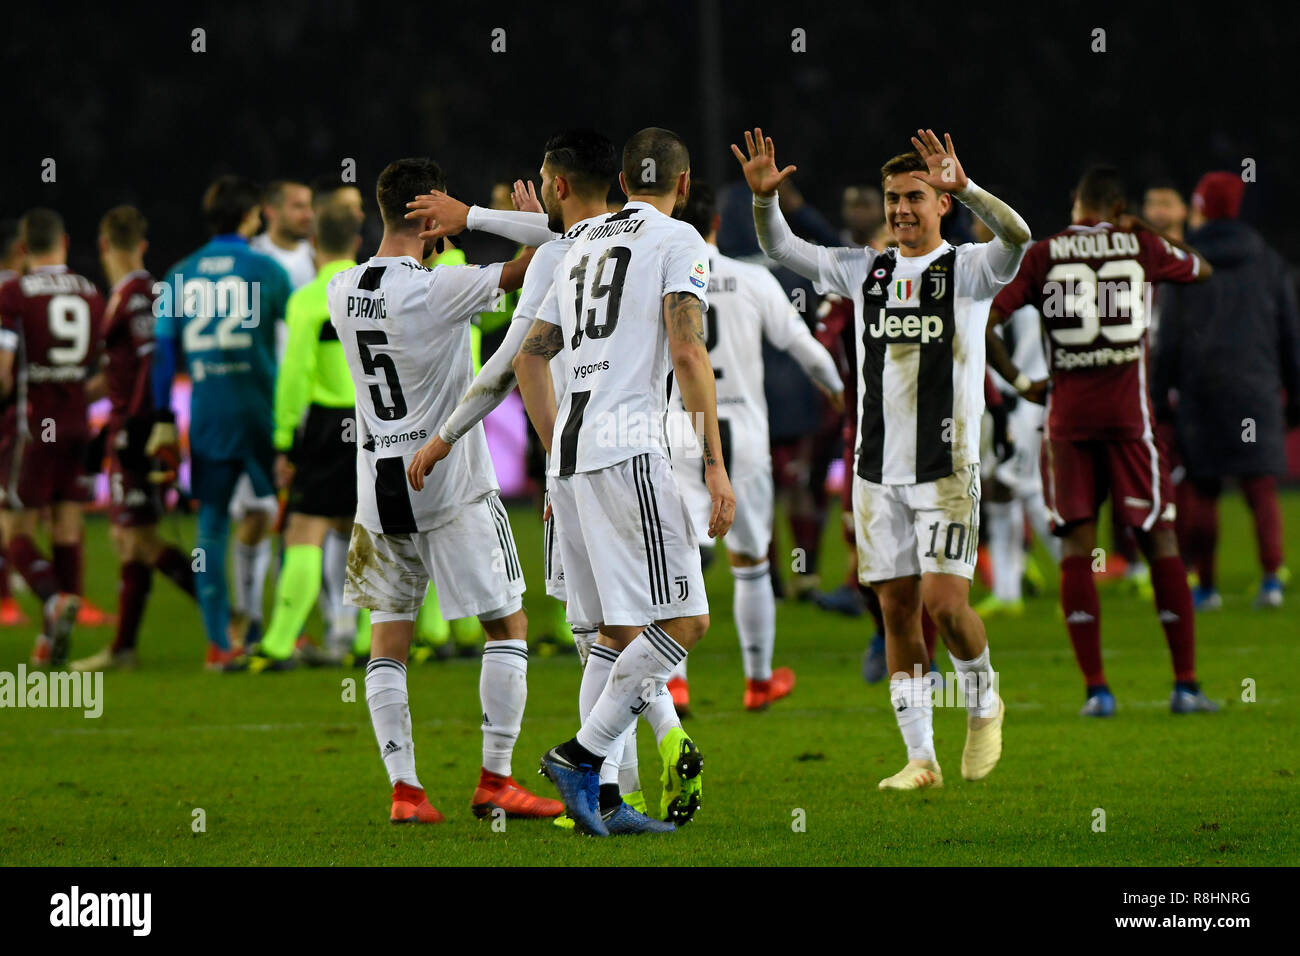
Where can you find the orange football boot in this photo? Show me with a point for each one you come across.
(11, 615)
(495, 792)
(410, 805)
(681, 692)
(760, 693)
(88, 615)
(217, 659)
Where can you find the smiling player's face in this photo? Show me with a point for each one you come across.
(913, 211)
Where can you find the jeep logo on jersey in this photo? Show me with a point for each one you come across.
(906, 328)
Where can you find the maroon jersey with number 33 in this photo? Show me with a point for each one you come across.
(1091, 284)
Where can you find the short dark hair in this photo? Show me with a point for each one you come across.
(400, 182)
(652, 161)
(42, 230)
(322, 186)
(9, 234)
(909, 162)
(226, 203)
(336, 229)
(701, 207)
(588, 160)
(1101, 188)
(124, 226)
(273, 195)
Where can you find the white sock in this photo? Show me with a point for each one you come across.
(754, 609)
(583, 638)
(914, 711)
(1005, 547)
(391, 717)
(600, 661)
(609, 769)
(679, 670)
(339, 617)
(1041, 522)
(661, 715)
(629, 764)
(977, 683)
(641, 669)
(252, 561)
(502, 690)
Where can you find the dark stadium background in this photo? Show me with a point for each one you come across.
(114, 95)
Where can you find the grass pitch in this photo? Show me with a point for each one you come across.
(286, 771)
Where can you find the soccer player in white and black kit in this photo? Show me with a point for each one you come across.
(626, 307)
(920, 311)
(405, 330)
(746, 306)
(577, 168)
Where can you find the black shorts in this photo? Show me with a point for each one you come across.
(324, 458)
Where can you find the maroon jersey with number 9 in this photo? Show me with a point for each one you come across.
(1091, 284)
(51, 318)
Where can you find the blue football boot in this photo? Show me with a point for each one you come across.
(1100, 703)
(579, 788)
(624, 821)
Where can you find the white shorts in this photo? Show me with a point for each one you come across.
(751, 531)
(244, 502)
(629, 551)
(471, 560)
(552, 561)
(903, 530)
(1022, 472)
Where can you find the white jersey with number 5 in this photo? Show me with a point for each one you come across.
(607, 298)
(405, 330)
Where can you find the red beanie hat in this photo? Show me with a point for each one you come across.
(1218, 195)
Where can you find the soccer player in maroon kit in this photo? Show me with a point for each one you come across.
(134, 479)
(11, 266)
(49, 343)
(1091, 283)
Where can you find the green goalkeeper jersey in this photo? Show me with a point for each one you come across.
(314, 370)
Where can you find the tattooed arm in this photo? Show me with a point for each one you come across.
(695, 379)
(533, 371)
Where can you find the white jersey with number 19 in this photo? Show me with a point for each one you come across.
(607, 298)
(405, 330)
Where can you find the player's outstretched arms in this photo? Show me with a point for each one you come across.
(998, 359)
(512, 272)
(945, 173)
(1133, 223)
(532, 367)
(451, 217)
(774, 235)
(694, 374)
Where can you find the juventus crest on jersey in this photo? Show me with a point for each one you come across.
(921, 323)
(405, 330)
(615, 358)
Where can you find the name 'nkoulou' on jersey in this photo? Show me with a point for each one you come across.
(920, 321)
(607, 299)
(405, 331)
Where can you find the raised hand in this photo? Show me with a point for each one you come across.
(524, 197)
(945, 172)
(760, 165)
(450, 216)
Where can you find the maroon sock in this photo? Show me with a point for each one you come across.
(4, 578)
(1083, 617)
(1261, 496)
(67, 567)
(32, 565)
(929, 630)
(175, 567)
(132, 593)
(1174, 605)
(1200, 533)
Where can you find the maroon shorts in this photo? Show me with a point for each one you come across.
(1078, 475)
(37, 473)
